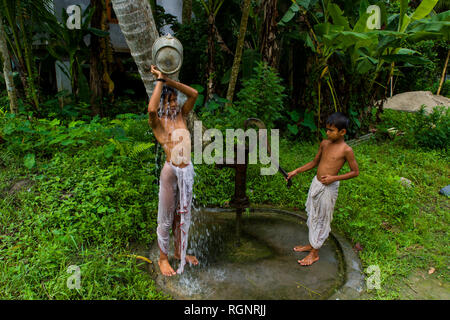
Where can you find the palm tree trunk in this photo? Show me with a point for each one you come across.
(7, 71)
(187, 11)
(269, 44)
(238, 54)
(138, 26)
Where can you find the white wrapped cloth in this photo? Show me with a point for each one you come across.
(320, 207)
(175, 197)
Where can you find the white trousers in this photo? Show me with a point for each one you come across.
(175, 198)
(320, 207)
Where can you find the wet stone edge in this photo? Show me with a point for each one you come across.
(353, 285)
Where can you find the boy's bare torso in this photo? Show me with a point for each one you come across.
(165, 131)
(332, 158)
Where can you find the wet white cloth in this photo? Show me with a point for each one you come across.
(175, 197)
(320, 207)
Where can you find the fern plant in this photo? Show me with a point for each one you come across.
(136, 152)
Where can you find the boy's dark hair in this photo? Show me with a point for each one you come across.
(339, 120)
(168, 91)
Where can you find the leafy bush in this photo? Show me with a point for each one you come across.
(445, 90)
(425, 75)
(45, 138)
(80, 207)
(419, 129)
(261, 96)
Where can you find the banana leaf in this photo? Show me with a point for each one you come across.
(365, 53)
(290, 13)
(364, 66)
(434, 26)
(348, 38)
(424, 35)
(405, 58)
(361, 24)
(294, 8)
(363, 5)
(424, 9)
(403, 8)
(338, 16)
(323, 29)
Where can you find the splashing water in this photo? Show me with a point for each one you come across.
(264, 266)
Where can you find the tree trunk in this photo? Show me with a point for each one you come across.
(96, 70)
(238, 54)
(187, 11)
(101, 60)
(443, 73)
(211, 54)
(7, 71)
(269, 46)
(138, 26)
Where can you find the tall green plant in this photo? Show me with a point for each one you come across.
(261, 96)
(68, 44)
(21, 23)
(211, 7)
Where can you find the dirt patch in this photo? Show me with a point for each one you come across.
(20, 185)
(413, 100)
(424, 286)
(419, 285)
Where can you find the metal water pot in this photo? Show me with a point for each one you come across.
(167, 54)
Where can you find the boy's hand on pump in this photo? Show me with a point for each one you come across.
(291, 174)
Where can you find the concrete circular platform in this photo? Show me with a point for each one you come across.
(263, 265)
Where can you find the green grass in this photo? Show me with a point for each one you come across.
(81, 208)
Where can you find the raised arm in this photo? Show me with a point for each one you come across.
(155, 98)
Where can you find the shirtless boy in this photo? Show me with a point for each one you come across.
(323, 192)
(167, 117)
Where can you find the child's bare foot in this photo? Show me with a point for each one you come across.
(312, 257)
(189, 259)
(165, 268)
(303, 248)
